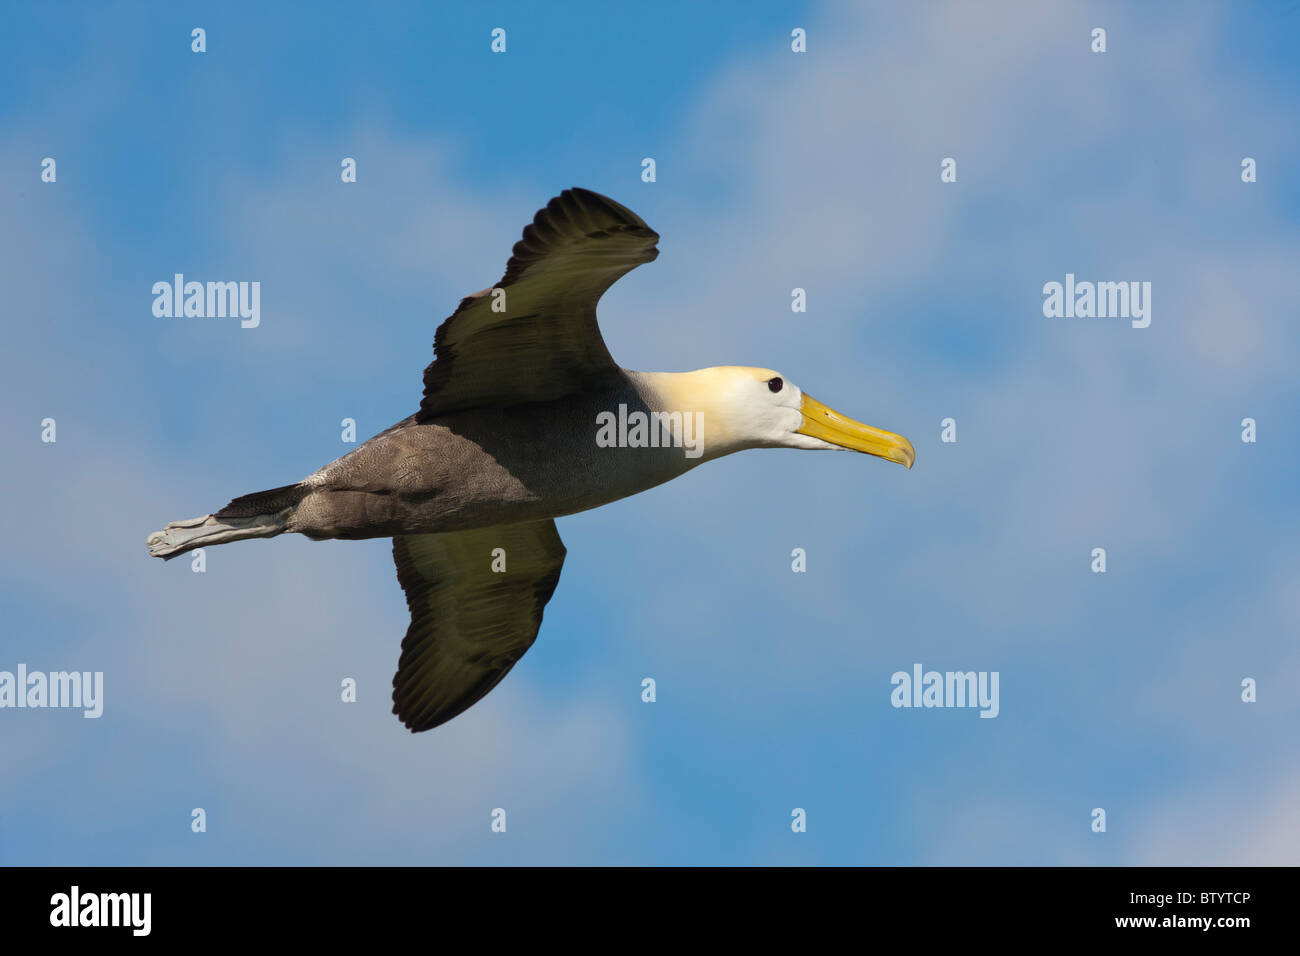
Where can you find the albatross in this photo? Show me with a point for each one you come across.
(525, 418)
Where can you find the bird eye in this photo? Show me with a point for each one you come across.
(775, 384)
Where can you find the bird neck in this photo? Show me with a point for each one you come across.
(694, 396)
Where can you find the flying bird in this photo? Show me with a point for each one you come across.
(525, 418)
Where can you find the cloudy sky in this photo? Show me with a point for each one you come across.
(775, 170)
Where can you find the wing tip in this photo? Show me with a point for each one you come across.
(416, 723)
(625, 216)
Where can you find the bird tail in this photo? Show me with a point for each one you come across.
(263, 514)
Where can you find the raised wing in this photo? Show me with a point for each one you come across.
(469, 622)
(533, 336)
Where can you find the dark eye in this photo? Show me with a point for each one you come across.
(775, 384)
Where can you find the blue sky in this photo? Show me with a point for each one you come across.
(775, 170)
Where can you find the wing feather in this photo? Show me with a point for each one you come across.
(533, 337)
(469, 623)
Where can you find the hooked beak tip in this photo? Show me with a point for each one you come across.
(830, 426)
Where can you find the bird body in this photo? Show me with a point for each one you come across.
(469, 468)
(525, 418)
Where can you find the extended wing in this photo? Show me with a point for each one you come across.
(470, 623)
(533, 337)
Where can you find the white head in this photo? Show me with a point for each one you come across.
(759, 408)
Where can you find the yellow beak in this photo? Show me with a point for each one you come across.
(829, 425)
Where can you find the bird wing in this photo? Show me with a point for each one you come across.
(533, 337)
(469, 623)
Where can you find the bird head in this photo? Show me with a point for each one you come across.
(760, 408)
